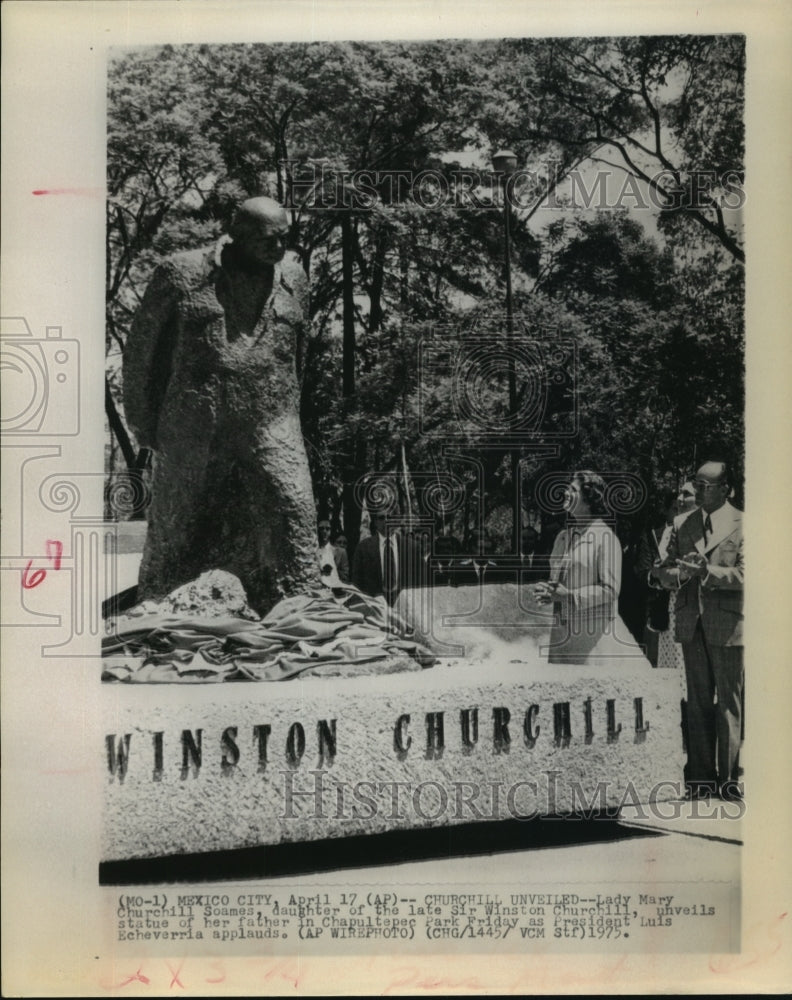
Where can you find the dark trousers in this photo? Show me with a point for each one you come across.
(714, 730)
(651, 640)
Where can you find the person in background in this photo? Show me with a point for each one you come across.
(331, 557)
(530, 568)
(669, 651)
(388, 561)
(446, 548)
(657, 533)
(704, 565)
(447, 545)
(475, 563)
(634, 594)
(480, 542)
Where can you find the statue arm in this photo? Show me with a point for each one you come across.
(305, 329)
(147, 356)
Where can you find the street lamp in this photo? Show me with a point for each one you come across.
(504, 161)
(504, 164)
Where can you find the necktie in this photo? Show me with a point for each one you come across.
(707, 527)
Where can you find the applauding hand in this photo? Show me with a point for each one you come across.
(694, 564)
(544, 593)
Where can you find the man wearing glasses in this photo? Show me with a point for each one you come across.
(704, 565)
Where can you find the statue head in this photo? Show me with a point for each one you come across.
(259, 231)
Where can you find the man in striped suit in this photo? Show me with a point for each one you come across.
(704, 564)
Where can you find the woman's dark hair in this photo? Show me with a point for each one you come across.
(592, 488)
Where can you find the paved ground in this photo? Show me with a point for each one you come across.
(629, 851)
(691, 866)
(673, 842)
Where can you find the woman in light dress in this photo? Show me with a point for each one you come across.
(585, 578)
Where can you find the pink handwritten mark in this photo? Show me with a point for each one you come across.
(33, 579)
(760, 942)
(138, 977)
(289, 970)
(175, 975)
(218, 966)
(91, 192)
(415, 977)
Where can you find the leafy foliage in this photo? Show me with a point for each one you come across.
(655, 316)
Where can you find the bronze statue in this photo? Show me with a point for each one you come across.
(210, 384)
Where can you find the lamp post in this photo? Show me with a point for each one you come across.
(504, 164)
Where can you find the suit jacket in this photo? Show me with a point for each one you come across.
(717, 599)
(588, 562)
(342, 562)
(367, 569)
(654, 544)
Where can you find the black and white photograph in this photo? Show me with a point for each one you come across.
(393, 581)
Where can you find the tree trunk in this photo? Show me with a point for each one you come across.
(348, 298)
(404, 277)
(377, 281)
(118, 430)
(353, 448)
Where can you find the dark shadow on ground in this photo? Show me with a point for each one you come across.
(394, 847)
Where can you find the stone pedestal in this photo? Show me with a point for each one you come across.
(496, 734)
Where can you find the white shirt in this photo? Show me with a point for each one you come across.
(665, 538)
(719, 519)
(325, 555)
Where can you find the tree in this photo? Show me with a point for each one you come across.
(161, 170)
(663, 111)
(364, 143)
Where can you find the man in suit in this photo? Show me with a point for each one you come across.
(530, 568)
(387, 561)
(704, 565)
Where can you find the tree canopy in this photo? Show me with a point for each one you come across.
(382, 153)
